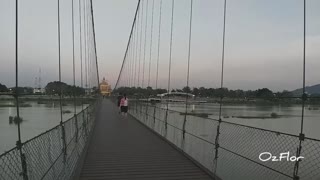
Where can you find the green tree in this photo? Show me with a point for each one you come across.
(53, 88)
(195, 91)
(186, 89)
(3, 88)
(264, 93)
(22, 90)
(283, 94)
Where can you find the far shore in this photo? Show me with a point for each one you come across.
(46, 97)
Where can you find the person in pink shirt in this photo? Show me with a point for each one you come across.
(124, 105)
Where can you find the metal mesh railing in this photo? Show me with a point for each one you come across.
(310, 167)
(239, 145)
(10, 165)
(45, 155)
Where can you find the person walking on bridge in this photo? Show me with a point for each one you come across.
(118, 103)
(124, 105)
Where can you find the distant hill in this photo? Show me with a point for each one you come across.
(309, 89)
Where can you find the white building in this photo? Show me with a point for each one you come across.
(39, 90)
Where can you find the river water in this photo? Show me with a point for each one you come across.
(288, 120)
(36, 119)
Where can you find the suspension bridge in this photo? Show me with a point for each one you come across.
(154, 141)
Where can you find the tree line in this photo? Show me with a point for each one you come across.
(21, 90)
(52, 88)
(208, 92)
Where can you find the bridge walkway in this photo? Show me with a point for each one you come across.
(122, 148)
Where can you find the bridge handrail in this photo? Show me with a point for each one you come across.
(45, 157)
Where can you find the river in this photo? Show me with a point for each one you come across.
(36, 119)
(288, 120)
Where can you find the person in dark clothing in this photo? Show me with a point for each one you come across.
(118, 103)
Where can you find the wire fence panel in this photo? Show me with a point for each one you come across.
(44, 154)
(174, 131)
(70, 129)
(71, 159)
(201, 128)
(231, 166)
(175, 119)
(174, 135)
(160, 120)
(42, 151)
(150, 116)
(309, 167)
(239, 149)
(251, 142)
(10, 165)
(201, 151)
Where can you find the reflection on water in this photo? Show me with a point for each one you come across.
(36, 119)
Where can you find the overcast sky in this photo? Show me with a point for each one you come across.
(264, 41)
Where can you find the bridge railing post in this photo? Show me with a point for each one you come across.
(154, 117)
(304, 98)
(63, 137)
(76, 125)
(24, 172)
(147, 113)
(166, 122)
(84, 124)
(136, 105)
(185, 119)
(184, 127)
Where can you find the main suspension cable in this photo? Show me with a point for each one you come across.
(131, 32)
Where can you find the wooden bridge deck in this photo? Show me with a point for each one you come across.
(122, 148)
